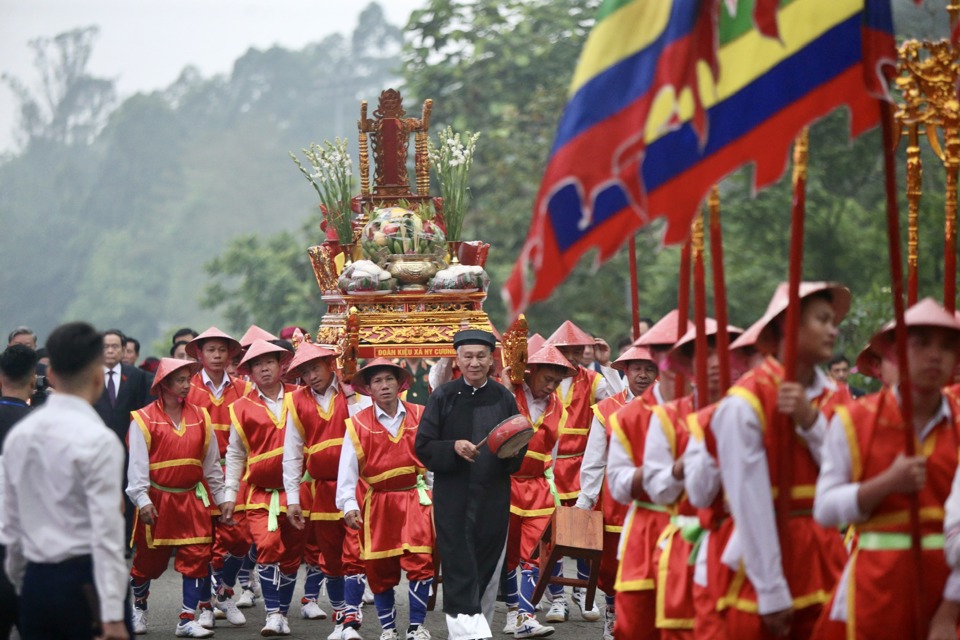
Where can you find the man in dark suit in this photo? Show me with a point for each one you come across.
(125, 389)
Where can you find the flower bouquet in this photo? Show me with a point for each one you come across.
(452, 160)
(331, 178)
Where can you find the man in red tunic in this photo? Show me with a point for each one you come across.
(769, 592)
(396, 521)
(635, 599)
(258, 423)
(867, 480)
(533, 495)
(213, 389)
(578, 394)
(173, 459)
(663, 481)
(641, 372)
(316, 426)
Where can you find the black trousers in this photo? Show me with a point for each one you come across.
(78, 606)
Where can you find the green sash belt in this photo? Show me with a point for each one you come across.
(691, 531)
(306, 476)
(649, 506)
(881, 541)
(199, 490)
(273, 511)
(422, 492)
(548, 474)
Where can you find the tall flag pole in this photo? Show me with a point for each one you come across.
(719, 288)
(659, 134)
(700, 312)
(634, 290)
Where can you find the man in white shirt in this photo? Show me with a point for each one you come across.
(62, 516)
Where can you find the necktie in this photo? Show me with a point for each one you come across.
(111, 389)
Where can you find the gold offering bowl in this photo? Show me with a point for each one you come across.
(412, 271)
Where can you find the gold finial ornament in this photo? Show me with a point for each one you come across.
(514, 350)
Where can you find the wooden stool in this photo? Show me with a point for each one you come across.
(574, 533)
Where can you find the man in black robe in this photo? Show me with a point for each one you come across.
(471, 490)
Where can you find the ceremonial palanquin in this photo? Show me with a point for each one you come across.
(402, 287)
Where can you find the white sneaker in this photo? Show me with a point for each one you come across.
(274, 626)
(218, 614)
(246, 599)
(511, 625)
(529, 627)
(310, 610)
(206, 619)
(419, 633)
(192, 629)
(349, 633)
(559, 611)
(337, 633)
(609, 619)
(286, 625)
(139, 621)
(230, 611)
(579, 597)
(389, 634)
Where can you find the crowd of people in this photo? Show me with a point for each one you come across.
(802, 509)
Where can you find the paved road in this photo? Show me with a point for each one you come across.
(165, 609)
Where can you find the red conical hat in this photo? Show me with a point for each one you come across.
(168, 366)
(549, 354)
(259, 348)
(680, 357)
(196, 345)
(631, 354)
(868, 363)
(926, 313)
(359, 383)
(781, 298)
(255, 333)
(570, 335)
(534, 343)
(306, 352)
(663, 333)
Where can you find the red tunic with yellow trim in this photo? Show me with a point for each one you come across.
(176, 468)
(322, 430)
(530, 494)
(644, 521)
(578, 400)
(614, 513)
(262, 434)
(394, 520)
(674, 582)
(817, 554)
(716, 517)
(218, 408)
(881, 581)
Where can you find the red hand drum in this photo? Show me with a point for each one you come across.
(511, 435)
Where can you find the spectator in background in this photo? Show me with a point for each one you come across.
(42, 357)
(839, 370)
(183, 335)
(623, 344)
(645, 324)
(131, 351)
(23, 335)
(150, 365)
(61, 511)
(18, 366)
(179, 350)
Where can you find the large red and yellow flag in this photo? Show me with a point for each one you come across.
(670, 96)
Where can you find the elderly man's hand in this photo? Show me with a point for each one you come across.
(466, 450)
(352, 519)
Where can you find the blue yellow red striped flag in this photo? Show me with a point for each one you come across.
(670, 96)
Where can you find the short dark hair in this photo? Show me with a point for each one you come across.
(624, 342)
(837, 359)
(18, 362)
(369, 373)
(73, 346)
(177, 344)
(21, 331)
(283, 344)
(118, 333)
(136, 344)
(649, 321)
(186, 331)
